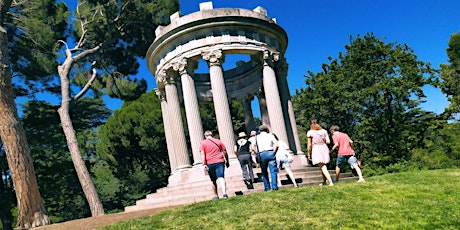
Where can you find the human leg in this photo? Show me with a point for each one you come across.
(291, 175)
(278, 179)
(244, 168)
(354, 164)
(264, 168)
(338, 163)
(326, 173)
(273, 173)
(254, 158)
(213, 177)
(223, 185)
(360, 174)
(221, 178)
(248, 162)
(214, 189)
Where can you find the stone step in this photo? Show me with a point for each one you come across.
(199, 190)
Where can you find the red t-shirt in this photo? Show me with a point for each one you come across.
(343, 141)
(212, 151)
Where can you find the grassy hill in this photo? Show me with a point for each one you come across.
(410, 200)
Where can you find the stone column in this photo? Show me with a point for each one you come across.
(169, 139)
(272, 96)
(192, 109)
(215, 59)
(248, 115)
(177, 127)
(263, 108)
(288, 109)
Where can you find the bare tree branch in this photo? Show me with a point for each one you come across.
(86, 52)
(87, 85)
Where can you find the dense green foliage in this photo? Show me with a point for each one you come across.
(450, 76)
(209, 121)
(59, 186)
(133, 150)
(372, 91)
(31, 29)
(37, 26)
(123, 29)
(415, 200)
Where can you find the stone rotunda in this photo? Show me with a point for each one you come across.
(211, 34)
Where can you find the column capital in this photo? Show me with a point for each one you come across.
(161, 94)
(282, 67)
(165, 76)
(180, 66)
(213, 57)
(270, 57)
(184, 66)
(161, 76)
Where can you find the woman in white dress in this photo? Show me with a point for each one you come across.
(318, 151)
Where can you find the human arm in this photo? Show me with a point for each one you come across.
(309, 148)
(253, 148)
(235, 149)
(223, 149)
(335, 146)
(227, 163)
(275, 145)
(203, 159)
(328, 140)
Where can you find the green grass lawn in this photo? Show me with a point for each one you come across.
(412, 200)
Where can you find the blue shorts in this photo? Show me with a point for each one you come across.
(351, 160)
(216, 170)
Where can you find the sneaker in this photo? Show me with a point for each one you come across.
(215, 198)
(225, 196)
(334, 181)
(361, 181)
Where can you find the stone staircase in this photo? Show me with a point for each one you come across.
(193, 185)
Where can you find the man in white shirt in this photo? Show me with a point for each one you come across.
(266, 145)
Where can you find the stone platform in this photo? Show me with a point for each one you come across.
(193, 185)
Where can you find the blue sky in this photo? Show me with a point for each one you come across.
(318, 29)
(321, 28)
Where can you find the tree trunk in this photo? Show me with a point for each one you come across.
(31, 211)
(86, 183)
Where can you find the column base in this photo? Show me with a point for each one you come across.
(197, 173)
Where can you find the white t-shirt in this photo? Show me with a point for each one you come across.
(266, 142)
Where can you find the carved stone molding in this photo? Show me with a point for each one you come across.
(161, 94)
(180, 66)
(170, 77)
(270, 58)
(161, 76)
(213, 57)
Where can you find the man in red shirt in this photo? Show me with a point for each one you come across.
(344, 144)
(214, 158)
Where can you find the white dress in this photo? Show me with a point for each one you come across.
(320, 150)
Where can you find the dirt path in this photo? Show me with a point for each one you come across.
(92, 223)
